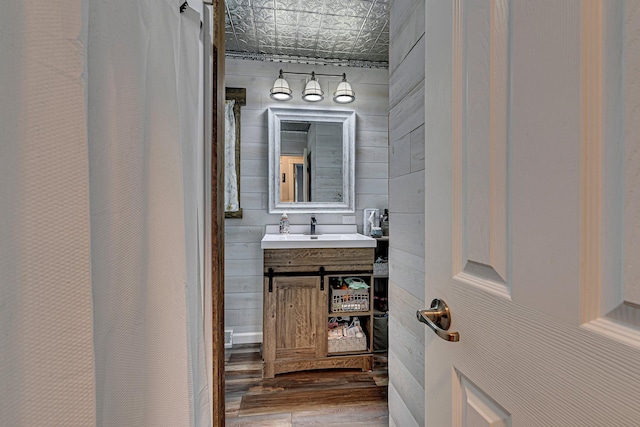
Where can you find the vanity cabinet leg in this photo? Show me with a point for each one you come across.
(268, 370)
(367, 364)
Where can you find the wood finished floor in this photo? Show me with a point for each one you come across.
(331, 397)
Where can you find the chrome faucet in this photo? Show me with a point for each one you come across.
(313, 225)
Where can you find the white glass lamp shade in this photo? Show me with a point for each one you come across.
(280, 90)
(312, 91)
(344, 94)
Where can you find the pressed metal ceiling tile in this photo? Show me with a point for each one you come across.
(308, 53)
(361, 8)
(241, 14)
(379, 10)
(243, 44)
(287, 31)
(231, 44)
(307, 43)
(361, 49)
(263, 3)
(289, 4)
(307, 32)
(242, 27)
(269, 50)
(265, 34)
(240, 22)
(266, 40)
(383, 40)
(379, 50)
(326, 43)
(339, 8)
(347, 35)
(315, 6)
(262, 16)
(374, 26)
(341, 22)
(345, 46)
(367, 38)
(286, 42)
(332, 30)
(231, 3)
(308, 19)
(286, 17)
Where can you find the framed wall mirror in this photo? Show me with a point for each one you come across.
(234, 99)
(311, 160)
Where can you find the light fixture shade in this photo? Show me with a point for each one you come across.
(280, 90)
(344, 94)
(312, 91)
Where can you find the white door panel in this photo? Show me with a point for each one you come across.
(476, 408)
(532, 211)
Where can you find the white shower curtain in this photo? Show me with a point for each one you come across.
(146, 214)
(101, 215)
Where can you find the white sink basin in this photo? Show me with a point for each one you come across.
(340, 240)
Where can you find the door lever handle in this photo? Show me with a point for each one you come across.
(438, 318)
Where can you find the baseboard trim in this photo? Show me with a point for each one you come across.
(247, 337)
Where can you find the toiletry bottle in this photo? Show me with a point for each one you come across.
(384, 222)
(284, 224)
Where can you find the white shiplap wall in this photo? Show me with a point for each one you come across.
(243, 256)
(406, 204)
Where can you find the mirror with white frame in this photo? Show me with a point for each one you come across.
(311, 160)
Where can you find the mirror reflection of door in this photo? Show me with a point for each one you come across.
(292, 178)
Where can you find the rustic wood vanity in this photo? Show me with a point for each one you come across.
(301, 287)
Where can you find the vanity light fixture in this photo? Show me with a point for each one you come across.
(312, 91)
(344, 94)
(280, 90)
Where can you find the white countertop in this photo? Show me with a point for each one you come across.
(328, 236)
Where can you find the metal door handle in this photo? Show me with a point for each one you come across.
(438, 318)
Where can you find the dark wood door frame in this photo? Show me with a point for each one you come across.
(217, 214)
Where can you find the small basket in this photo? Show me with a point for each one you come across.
(381, 269)
(340, 340)
(347, 345)
(347, 300)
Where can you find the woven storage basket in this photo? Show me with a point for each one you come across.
(347, 344)
(345, 300)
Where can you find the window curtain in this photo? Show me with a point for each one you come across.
(231, 203)
(146, 214)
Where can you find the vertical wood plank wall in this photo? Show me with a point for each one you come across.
(243, 256)
(406, 201)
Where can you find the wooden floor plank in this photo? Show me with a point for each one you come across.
(273, 420)
(373, 415)
(331, 398)
(307, 400)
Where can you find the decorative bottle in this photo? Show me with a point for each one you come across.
(384, 222)
(284, 224)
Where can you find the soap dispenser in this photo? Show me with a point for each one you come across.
(284, 224)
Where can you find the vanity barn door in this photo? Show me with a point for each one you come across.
(532, 194)
(295, 314)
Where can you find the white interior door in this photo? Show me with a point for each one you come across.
(532, 216)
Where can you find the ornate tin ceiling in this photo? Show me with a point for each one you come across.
(336, 32)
